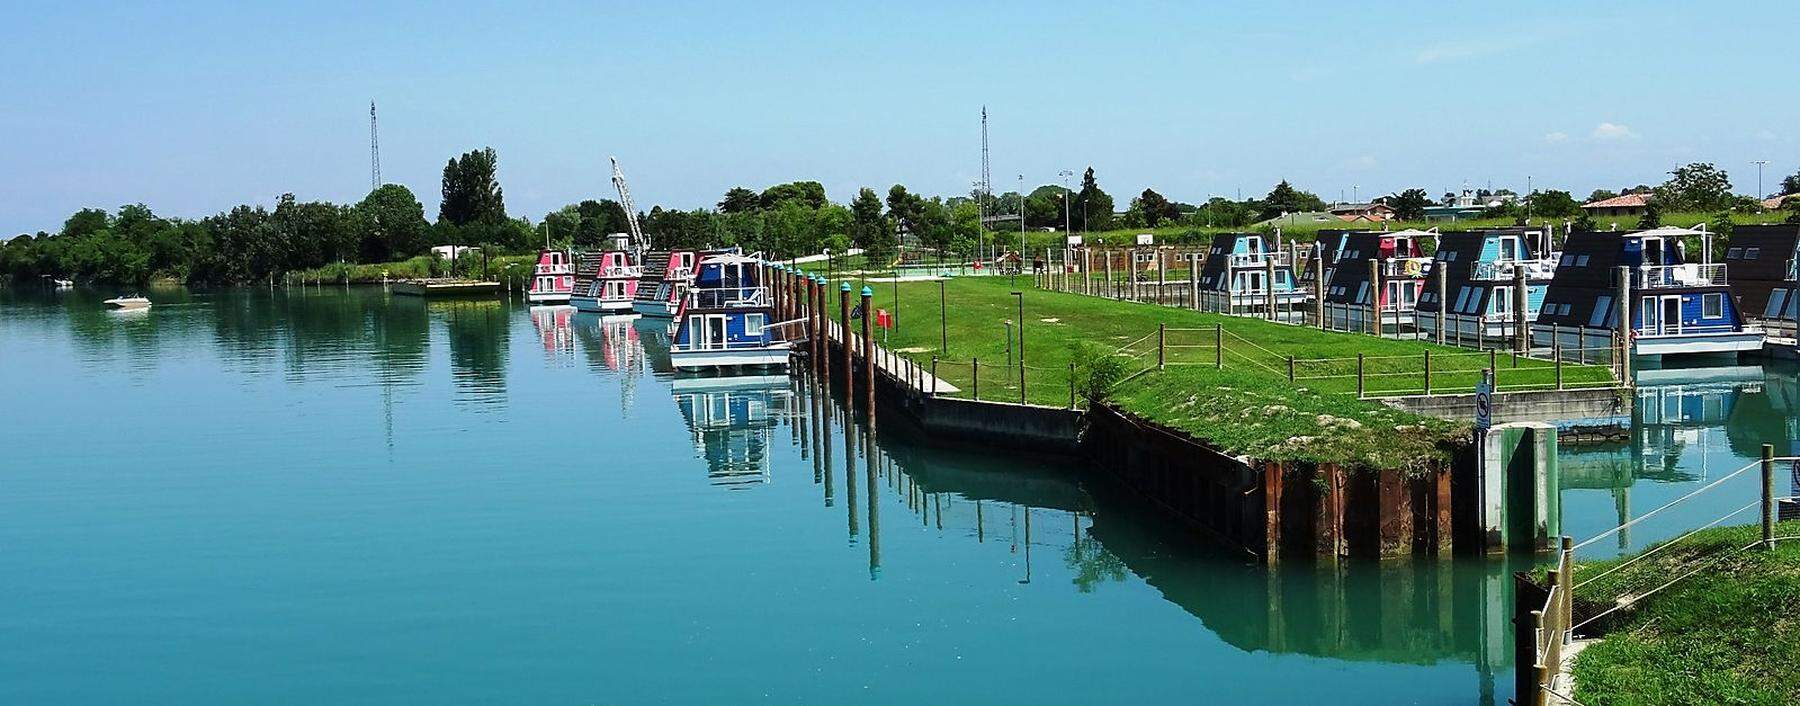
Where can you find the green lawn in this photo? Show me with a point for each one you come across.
(1247, 406)
(1727, 634)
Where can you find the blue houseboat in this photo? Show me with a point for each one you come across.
(726, 319)
(1674, 307)
(1238, 267)
(1479, 287)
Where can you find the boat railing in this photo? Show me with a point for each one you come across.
(1793, 270)
(727, 297)
(622, 271)
(556, 269)
(1404, 267)
(680, 273)
(1687, 329)
(1688, 275)
(1282, 258)
(1505, 270)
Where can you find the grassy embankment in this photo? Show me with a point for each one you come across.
(1727, 634)
(518, 267)
(1247, 407)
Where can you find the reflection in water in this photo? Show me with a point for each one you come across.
(555, 330)
(733, 422)
(479, 331)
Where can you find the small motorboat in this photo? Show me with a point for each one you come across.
(63, 283)
(132, 302)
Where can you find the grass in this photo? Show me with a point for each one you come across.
(1247, 407)
(1727, 634)
(499, 266)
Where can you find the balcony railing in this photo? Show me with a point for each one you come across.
(727, 297)
(556, 269)
(1690, 275)
(1503, 270)
(1405, 266)
(1257, 259)
(622, 271)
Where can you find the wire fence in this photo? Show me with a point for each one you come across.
(1707, 526)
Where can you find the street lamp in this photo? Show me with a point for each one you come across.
(1066, 227)
(943, 317)
(1759, 165)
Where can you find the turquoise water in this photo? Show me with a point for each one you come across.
(332, 496)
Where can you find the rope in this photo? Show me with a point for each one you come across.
(1665, 545)
(1671, 503)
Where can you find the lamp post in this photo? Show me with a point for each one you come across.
(1066, 226)
(1759, 165)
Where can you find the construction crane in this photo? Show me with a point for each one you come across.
(639, 244)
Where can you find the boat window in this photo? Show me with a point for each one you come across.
(1566, 261)
(753, 324)
(1462, 297)
(1752, 253)
(1712, 306)
(1502, 300)
(1734, 253)
(1777, 299)
(1362, 292)
(1450, 256)
(1581, 261)
(1602, 311)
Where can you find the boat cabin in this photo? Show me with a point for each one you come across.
(665, 282)
(1396, 262)
(725, 319)
(1763, 277)
(1247, 269)
(1327, 246)
(605, 282)
(553, 280)
(1478, 292)
(1675, 307)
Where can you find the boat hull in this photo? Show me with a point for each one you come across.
(760, 356)
(547, 297)
(655, 309)
(601, 306)
(1726, 342)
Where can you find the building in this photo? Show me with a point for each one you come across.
(1362, 212)
(1763, 277)
(1629, 205)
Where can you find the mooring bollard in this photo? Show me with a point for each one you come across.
(868, 354)
(844, 334)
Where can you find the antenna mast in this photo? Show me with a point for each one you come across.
(638, 242)
(374, 151)
(987, 185)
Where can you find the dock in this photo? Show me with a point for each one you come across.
(433, 288)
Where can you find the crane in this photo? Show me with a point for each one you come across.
(639, 243)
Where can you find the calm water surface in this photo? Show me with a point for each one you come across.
(338, 497)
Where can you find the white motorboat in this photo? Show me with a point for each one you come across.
(132, 302)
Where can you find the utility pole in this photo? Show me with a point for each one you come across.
(1021, 221)
(1528, 199)
(987, 182)
(1066, 227)
(1759, 165)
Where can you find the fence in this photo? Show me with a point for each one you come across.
(1583, 598)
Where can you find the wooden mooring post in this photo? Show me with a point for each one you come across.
(868, 346)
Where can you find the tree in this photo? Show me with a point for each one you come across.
(1409, 205)
(1652, 217)
(1044, 207)
(1093, 208)
(739, 200)
(1554, 204)
(809, 193)
(1698, 186)
(1156, 208)
(1284, 199)
(1601, 195)
(868, 229)
(393, 224)
(1790, 184)
(472, 193)
(1584, 222)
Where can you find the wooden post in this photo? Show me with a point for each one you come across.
(1219, 346)
(1521, 326)
(1768, 496)
(1162, 274)
(1162, 336)
(934, 377)
(1106, 289)
(1269, 279)
(868, 346)
(1556, 352)
(1494, 366)
(821, 344)
(975, 378)
(1290, 368)
(1194, 281)
(1623, 330)
(1319, 289)
(1071, 385)
(844, 334)
(1443, 302)
(1373, 325)
(1427, 372)
(1359, 376)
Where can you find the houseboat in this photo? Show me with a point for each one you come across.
(605, 282)
(665, 282)
(1327, 246)
(1675, 307)
(1396, 262)
(1763, 277)
(553, 280)
(1247, 270)
(726, 319)
(1479, 283)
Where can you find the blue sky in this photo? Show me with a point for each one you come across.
(195, 107)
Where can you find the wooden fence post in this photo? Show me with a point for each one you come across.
(1219, 346)
(1427, 372)
(1768, 496)
(1290, 368)
(1162, 337)
(975, 378)
(1359, 376)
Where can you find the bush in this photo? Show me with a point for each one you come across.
(1097, 371)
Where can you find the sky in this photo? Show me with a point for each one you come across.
(194, 107)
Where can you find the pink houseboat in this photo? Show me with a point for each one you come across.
(606, 282)
(667, 276)
(554, 279)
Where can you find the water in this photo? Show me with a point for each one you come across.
(331, 496)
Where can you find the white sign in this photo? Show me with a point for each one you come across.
(1484, 400)
(1146, 239)
(1074, 240)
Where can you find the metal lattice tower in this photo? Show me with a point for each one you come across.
(374, 151)
(631, 221)
(987, 185)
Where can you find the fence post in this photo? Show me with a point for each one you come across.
(975, 378)
(1768, 496)
(1428, 372)
(1359, 376)
(1219, 346)
(1290, 368)
(934, 377)
(1162, 336)
(1538, 669)
(1194, 280)
(1556, 352)
(1494, 367)
(1071, 384)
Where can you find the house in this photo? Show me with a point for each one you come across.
(1629, 205)
(1779, 202)
(452, 252)
(1362, 212)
